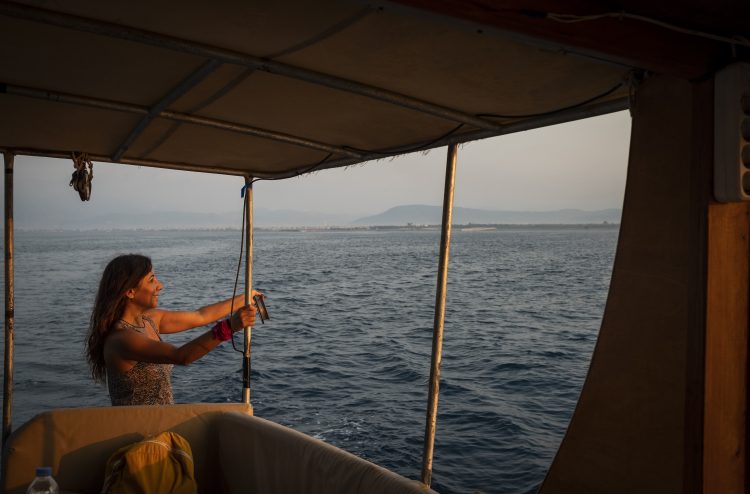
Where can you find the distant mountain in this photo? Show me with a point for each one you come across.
(431, 215)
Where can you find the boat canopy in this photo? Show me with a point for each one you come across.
(274, 89)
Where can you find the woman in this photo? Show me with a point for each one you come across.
(124, 345)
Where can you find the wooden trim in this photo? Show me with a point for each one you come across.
(726, 373)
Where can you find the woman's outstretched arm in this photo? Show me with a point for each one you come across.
(175, 321)
(128, 345)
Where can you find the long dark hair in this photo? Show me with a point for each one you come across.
(121, 274)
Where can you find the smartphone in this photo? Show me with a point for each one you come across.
(261, 307)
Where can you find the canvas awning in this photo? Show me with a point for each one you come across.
(274, 88)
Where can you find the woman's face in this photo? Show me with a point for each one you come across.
(146, 294)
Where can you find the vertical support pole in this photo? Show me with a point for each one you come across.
(248, 286)
(437, 331)
(9, 300)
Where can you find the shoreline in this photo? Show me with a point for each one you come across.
(470, 227)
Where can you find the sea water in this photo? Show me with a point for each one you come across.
(346, 354)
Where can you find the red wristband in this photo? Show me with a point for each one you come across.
(222, 330)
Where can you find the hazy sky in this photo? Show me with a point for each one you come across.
(577, 165)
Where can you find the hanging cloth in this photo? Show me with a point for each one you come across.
(82, 177)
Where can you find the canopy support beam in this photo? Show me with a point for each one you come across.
(9, 298)
(246, 367)
(437, 330)
(223, 55)
(555, 118)
(160, 111)
(180, 90)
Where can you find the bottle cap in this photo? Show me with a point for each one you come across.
(44, 472)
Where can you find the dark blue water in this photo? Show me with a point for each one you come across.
(346, 355)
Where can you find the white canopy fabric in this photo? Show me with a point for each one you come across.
(273, 88)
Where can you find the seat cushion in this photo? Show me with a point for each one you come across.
(262, 456)
(76, 442)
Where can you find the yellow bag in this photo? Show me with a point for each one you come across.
(161, 464)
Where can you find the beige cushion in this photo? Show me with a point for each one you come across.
(233, 451)
(77, 442)
(262, 456)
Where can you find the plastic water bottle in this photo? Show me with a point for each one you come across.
(43, 483)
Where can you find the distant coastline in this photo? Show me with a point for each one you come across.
(420, 214)
(412, 217)
(330, 228)
(471, 227)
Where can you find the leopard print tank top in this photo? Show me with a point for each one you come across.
(144, 383)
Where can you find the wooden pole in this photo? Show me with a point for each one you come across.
(9, 298)
(437, 331)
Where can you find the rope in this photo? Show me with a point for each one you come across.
(82, 177)
(239, 263)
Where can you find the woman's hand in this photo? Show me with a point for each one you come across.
(243, 318)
